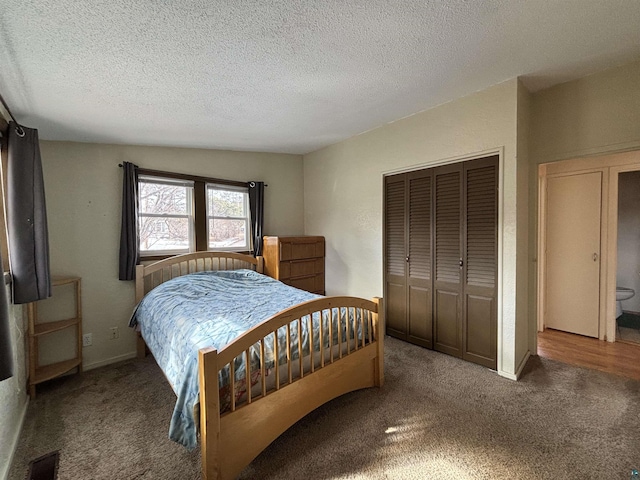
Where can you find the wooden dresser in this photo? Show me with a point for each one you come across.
(296, 261)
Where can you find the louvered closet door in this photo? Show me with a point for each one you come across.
(480, 261)
(395, 236)
(447, 287)
(419, 288)
(441, 258)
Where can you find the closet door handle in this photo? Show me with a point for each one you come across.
(595, 257)
(406, 259)
(461, 263)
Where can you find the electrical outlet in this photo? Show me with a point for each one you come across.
(114, 333)
(87, 340)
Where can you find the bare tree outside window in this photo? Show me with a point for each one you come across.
(228, 217)
(167, 219)
(165, 216)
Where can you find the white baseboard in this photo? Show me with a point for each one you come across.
(516, 376)
(4, 475)
(523, 364)
(508, 375)
(109, 361)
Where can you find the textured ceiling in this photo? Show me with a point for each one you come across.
(284, 76)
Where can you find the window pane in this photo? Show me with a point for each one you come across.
(164, 234)
(227, 233)
(225, 203)
(163, 199)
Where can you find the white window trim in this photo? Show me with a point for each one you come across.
(247, 218)
(190, 215)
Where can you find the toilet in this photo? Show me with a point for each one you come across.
(622, 293)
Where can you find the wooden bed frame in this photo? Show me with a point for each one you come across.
(231, 440)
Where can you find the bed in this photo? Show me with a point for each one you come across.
(276, 370)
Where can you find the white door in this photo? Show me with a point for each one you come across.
(573, 253)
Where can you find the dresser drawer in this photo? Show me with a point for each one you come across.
(301, 268)
(314, 283)
(298, 250)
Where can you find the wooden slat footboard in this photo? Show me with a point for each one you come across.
(231, 440)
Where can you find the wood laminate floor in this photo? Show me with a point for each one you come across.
(617, 358)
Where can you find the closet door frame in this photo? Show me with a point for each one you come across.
(499, 151)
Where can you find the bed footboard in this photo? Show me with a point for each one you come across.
(231, 440)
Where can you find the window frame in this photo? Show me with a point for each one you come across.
(199, 209)
(246, 218)
(189, 185)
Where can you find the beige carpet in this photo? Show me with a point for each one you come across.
(437, 417)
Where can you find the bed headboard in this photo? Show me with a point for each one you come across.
(150, 276)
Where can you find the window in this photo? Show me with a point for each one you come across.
(166, 216)
(227, 218)
(181, 213)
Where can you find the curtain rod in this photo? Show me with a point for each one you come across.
(160, 173)
(19, 129)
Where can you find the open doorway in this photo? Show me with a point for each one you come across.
(618, 264)
(628, 264)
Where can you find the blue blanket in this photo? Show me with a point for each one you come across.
(209, 309)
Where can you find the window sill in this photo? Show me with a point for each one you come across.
(157, 258)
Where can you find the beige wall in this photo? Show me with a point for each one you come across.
(13, 395)
(343, 194)
(83, 187)
(592, 115)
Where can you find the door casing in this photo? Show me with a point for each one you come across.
(611, 166)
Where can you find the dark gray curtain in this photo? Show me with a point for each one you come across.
(256, 205)
(27, 217)
(129, 238)
(6, 354)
